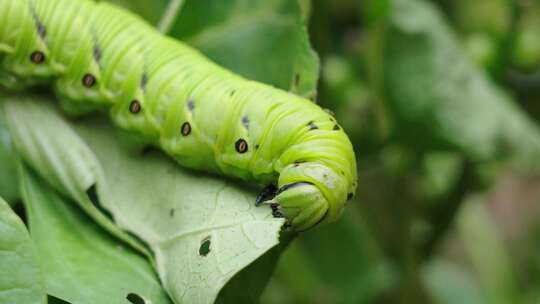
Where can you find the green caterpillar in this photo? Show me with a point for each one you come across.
(98, 56)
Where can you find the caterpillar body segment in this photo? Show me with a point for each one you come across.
(98, 56)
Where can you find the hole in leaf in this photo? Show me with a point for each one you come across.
(55, 300)
(204, 250)
(135, 298)
(92, 195)
(19, 209)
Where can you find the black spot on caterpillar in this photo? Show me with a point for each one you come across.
(190, 105)
(88, 80)
(154, 85)
(186, 129)
(37, 57)
(241, 146)
(245, 122)
(312, 126)
(135, 106)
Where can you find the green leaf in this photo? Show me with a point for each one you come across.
(263, 40)
(338, 263)
(9, 188)
(449, 283)
(81, 262)
(201, 230)
(58, 154)
(149, 10)
(482, 241)
(434, 92)
(21, 279)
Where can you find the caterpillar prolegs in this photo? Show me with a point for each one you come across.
(95, 56)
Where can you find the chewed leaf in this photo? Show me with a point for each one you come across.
(47, 143)
(21, 279)
(201, 230)
(81, 262)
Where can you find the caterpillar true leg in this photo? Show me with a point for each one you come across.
(268, 193)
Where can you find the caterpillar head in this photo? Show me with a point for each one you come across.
(309, 193)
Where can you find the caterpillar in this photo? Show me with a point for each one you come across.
(96, 56)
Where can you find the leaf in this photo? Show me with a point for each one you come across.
(21, 279)
(9, 188)
(59, 155)
(338, 263)
(81, 262)
(487, 252)
(263, 40)
(449, 283)
(149, 10)
(201, 230)
(434, 92)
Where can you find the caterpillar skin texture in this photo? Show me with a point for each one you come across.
(97, 56)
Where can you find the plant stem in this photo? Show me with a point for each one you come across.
(169, 16)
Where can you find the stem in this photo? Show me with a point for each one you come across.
(169, 16)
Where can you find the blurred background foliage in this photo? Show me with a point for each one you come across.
(440, 99)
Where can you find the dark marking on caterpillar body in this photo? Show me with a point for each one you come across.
(135, 106)
(245, 122)
(292, 185)
(175, 80)
(312, 125)
(186, 129)
(88, 80)
(190, 105)
(40, 28)
(144, 80)
(241, 146)
(42, 32)
(96, 53)
(37, 57)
